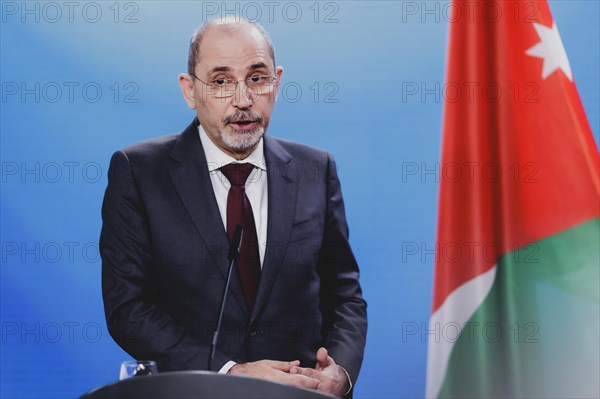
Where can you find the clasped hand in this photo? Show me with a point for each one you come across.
(327, 376)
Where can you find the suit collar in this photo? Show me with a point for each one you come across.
(283, 189)
(274, 151)
(188, 144)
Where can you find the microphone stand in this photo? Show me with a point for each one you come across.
(234, 250)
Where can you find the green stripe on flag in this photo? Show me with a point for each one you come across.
(537, 334)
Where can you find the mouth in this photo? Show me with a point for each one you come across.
(244, 125)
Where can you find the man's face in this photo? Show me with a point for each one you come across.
(235, 123)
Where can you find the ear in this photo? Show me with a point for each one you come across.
(278, 73)
(187, 88)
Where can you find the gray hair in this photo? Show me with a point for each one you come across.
(194, 50)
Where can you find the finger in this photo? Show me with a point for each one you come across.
(283, 366)
(308, 372)
(301, 381)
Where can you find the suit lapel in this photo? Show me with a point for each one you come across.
(190, 176)
(282, 192)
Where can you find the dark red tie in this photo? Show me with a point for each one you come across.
(239, 211)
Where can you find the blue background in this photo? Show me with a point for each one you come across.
(344, 74)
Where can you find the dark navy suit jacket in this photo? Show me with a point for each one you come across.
(164, 261)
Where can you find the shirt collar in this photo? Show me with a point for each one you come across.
(216, 158)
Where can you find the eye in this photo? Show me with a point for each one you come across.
(256, 79)
(220, 82)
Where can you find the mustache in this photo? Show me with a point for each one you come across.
(247, 116)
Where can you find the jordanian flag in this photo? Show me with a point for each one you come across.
(516, 297)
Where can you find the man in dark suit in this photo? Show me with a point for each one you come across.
(295, 312)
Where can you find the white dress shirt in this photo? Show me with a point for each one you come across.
(256, 185)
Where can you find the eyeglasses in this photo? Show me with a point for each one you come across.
(224, 87)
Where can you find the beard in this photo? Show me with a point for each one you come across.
(242, 140)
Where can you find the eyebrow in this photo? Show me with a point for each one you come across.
(258, 65)
(220, 69)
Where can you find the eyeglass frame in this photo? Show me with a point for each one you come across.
(273, 80)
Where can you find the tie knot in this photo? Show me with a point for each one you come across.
(237, 173)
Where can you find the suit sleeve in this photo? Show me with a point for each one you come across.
(136, 319)
(344, 309)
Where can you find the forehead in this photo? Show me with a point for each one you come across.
(236, 48)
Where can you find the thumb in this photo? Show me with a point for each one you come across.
(323, 360)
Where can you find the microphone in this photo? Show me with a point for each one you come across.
(236, 242)
(234, 250)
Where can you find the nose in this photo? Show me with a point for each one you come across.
(243, 97)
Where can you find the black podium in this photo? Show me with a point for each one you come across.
(198, 385)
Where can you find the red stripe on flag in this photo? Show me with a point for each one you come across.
(519, 162)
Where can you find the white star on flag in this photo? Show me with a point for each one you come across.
(551, 50)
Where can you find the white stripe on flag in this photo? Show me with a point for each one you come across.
(458, 308)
